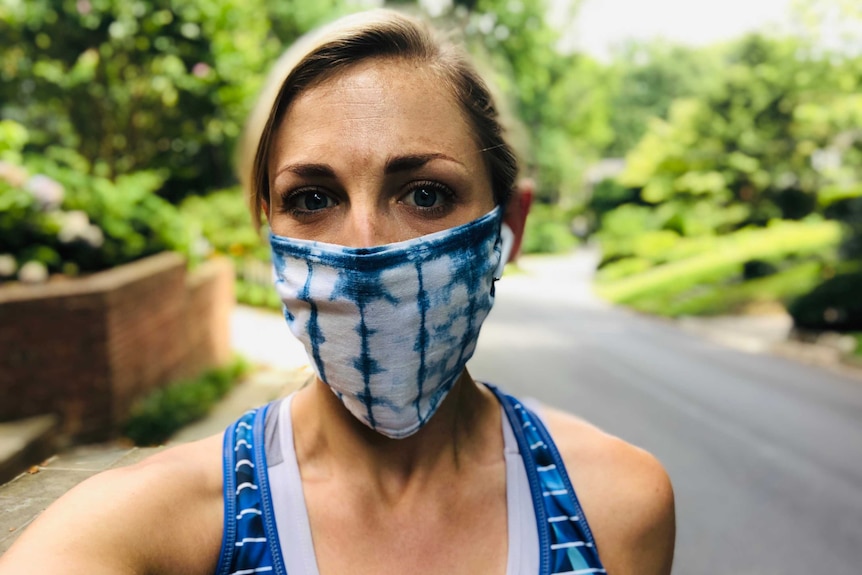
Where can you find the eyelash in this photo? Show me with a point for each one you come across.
(447, 193)
(448, 197)
(289, 196)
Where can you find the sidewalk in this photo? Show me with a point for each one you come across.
(772, 334)
(281, 366)
(261, 337)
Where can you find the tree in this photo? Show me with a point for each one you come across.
(647, 78)
(113, 87)
(558, 100)
(740, 151)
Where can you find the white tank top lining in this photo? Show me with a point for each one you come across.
(291, 514)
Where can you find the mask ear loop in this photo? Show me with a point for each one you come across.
(507, 241)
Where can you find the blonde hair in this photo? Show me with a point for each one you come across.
(374, 34)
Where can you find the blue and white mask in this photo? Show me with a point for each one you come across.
(390, 328)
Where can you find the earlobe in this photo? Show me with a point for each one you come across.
(516, 214)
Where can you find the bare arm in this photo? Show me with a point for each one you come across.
(162, 515)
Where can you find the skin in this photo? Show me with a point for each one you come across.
(378, 154)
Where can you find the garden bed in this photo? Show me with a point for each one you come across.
(86, 348)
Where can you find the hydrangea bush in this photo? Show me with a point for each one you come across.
(58, 219)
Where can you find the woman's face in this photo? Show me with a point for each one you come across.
(378, 154)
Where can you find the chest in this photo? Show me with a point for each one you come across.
(451, 528)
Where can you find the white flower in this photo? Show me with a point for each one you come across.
(49, 193)
(75, 226)
(33, 273)
(93, 236)
(8, 265)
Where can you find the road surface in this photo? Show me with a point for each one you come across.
(765, 454)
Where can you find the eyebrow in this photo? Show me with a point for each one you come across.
(393, 165)
(413, 161)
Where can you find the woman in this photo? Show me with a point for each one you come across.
(380, 164)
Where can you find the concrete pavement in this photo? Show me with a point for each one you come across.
(260, 336)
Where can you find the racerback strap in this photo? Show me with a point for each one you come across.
(250, 540)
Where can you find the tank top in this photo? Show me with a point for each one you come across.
(548, 536)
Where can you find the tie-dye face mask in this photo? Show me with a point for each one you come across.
(390, 328)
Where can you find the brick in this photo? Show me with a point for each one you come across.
(86, 349)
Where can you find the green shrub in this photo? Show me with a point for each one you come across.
(257, 295)
(623, 268)
(733, 296)
(608, 195)
(547, 231)
(158, 416)
(55, 216)
(223, 219)
(834, 305)
(724, 261)
(131, 86)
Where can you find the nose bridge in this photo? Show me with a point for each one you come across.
(367, 225)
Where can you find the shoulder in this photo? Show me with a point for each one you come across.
(162, 515)
(625, 493)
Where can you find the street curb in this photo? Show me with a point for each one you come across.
(26, 442)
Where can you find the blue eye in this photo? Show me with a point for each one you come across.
(305, 202)
(428, 195)
(425, 197)
(313, 201)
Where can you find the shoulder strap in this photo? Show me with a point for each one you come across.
(250, 540)
(566, 544)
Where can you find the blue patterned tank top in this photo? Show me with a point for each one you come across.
(250, 541)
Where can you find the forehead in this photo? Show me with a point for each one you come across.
(379, 106)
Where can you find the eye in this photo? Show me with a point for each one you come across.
(428, 196)
(305, 201)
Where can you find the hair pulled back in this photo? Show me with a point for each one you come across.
(375, 34)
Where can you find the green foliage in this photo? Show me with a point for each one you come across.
(647, 78)
(548, 231)
(222, 217)
(722, 262)
(834, 305)
(559, 99)
(68, 221)
(608, 195)
(775, 136)
(162, 413)
(733, 294)
(159, 85)
(257, 295)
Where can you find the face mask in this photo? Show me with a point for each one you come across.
(390, 328)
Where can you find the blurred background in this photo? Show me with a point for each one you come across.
(699, 161)
(712, 149)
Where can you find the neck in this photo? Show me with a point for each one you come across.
(464, 431)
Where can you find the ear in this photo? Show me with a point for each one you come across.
(265, 204)
(516, 213)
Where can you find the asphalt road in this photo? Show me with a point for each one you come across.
(765, 454)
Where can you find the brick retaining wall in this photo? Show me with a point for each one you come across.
(87, 348)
